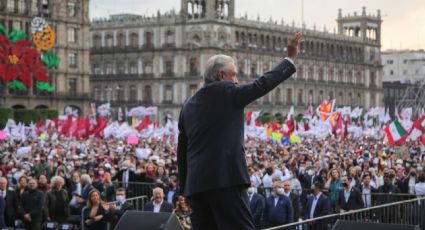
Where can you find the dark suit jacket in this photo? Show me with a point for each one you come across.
(257, 206)
(2, 211)
(131, 176)
(323, 206)
(355, 201)
(372, 190)
(210, 150)
(280, 214)
(115, 215)
(165, 207)
(33, 204)
(11, 208)
(296, 205)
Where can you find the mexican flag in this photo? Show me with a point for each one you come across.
(395, 132)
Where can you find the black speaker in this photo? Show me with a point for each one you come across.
(136, 220)
(352, 225)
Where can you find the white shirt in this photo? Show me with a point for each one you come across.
(420, 189)
(74, 198)
(366, 195)
(313, 205)
(157, 207)
(3, 193)
(347, 195)
(412, 182)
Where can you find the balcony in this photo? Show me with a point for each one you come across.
(112, 77)
(192, 73)
(168, 75)
(169, 45)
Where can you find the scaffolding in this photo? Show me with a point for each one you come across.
(414, 97)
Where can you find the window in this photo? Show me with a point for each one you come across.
(389, 62)
(97, 41)
(288, 96)
(72, 9)
(147, 94)
(278, 96)
(405, 61)
(96, 94)
(133, 68)
(321, 75)
(310, 73)
(134, 40)
(392, 72)
(96, 69)
(109, 40)
(22, 8)
(11, 5)
(192, 89)
(72, 35)
(168, 97)
(34, 6)
(169, 38)
(132, 95)
(72, 86)
(310, 97)
(193, 66)
(300, 97)
(72, 60)
(148, 39)
(109, 68)
(120, 68)
(168, 67)
(148, 67)
(121, 40)
(45, 8)
(120, 93)
(254, 69)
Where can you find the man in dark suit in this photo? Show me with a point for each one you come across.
(125, 176)
(10, 202)
(349, 197)
(211, 159)
(256, 205)
(278, 210)
(367, 190)
(120, 206)
(318, 204)
(32, 206)
(158, 204)
(173, 191)
(295, 199)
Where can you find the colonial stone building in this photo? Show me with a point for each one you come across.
(159, 60)
(70, 20)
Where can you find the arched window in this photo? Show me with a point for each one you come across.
(121, 40)
(289, 96)
(134, 40)
(109, 40)
(169, 37)
(132, 93)
(147, 94)
(97, 41)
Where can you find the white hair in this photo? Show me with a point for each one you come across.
(56, 179)
(86, 178)
(214, 65)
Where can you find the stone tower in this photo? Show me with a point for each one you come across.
(194, 10)
(367, 27)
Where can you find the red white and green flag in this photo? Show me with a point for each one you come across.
(395, 132)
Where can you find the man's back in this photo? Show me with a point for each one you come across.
(214, 128)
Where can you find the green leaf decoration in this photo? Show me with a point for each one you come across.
(16, 85)
(51, 59)
(3, 30)
(17, 35)
(45, 86)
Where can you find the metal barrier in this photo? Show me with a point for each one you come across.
(138, 204)
(136, 189)
(411, 212)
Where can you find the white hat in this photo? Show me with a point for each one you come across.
(161, 162)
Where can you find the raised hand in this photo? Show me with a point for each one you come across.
(294, 45)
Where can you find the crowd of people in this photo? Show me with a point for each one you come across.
(64, 178)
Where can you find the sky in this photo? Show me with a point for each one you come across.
(403, 21)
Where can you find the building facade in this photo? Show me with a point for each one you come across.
(159, 60)
(70, 20)
(404, 66)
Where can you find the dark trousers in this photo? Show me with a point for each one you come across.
(226, 208)
(33, 225)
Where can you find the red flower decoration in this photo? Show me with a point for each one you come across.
(20, 61)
